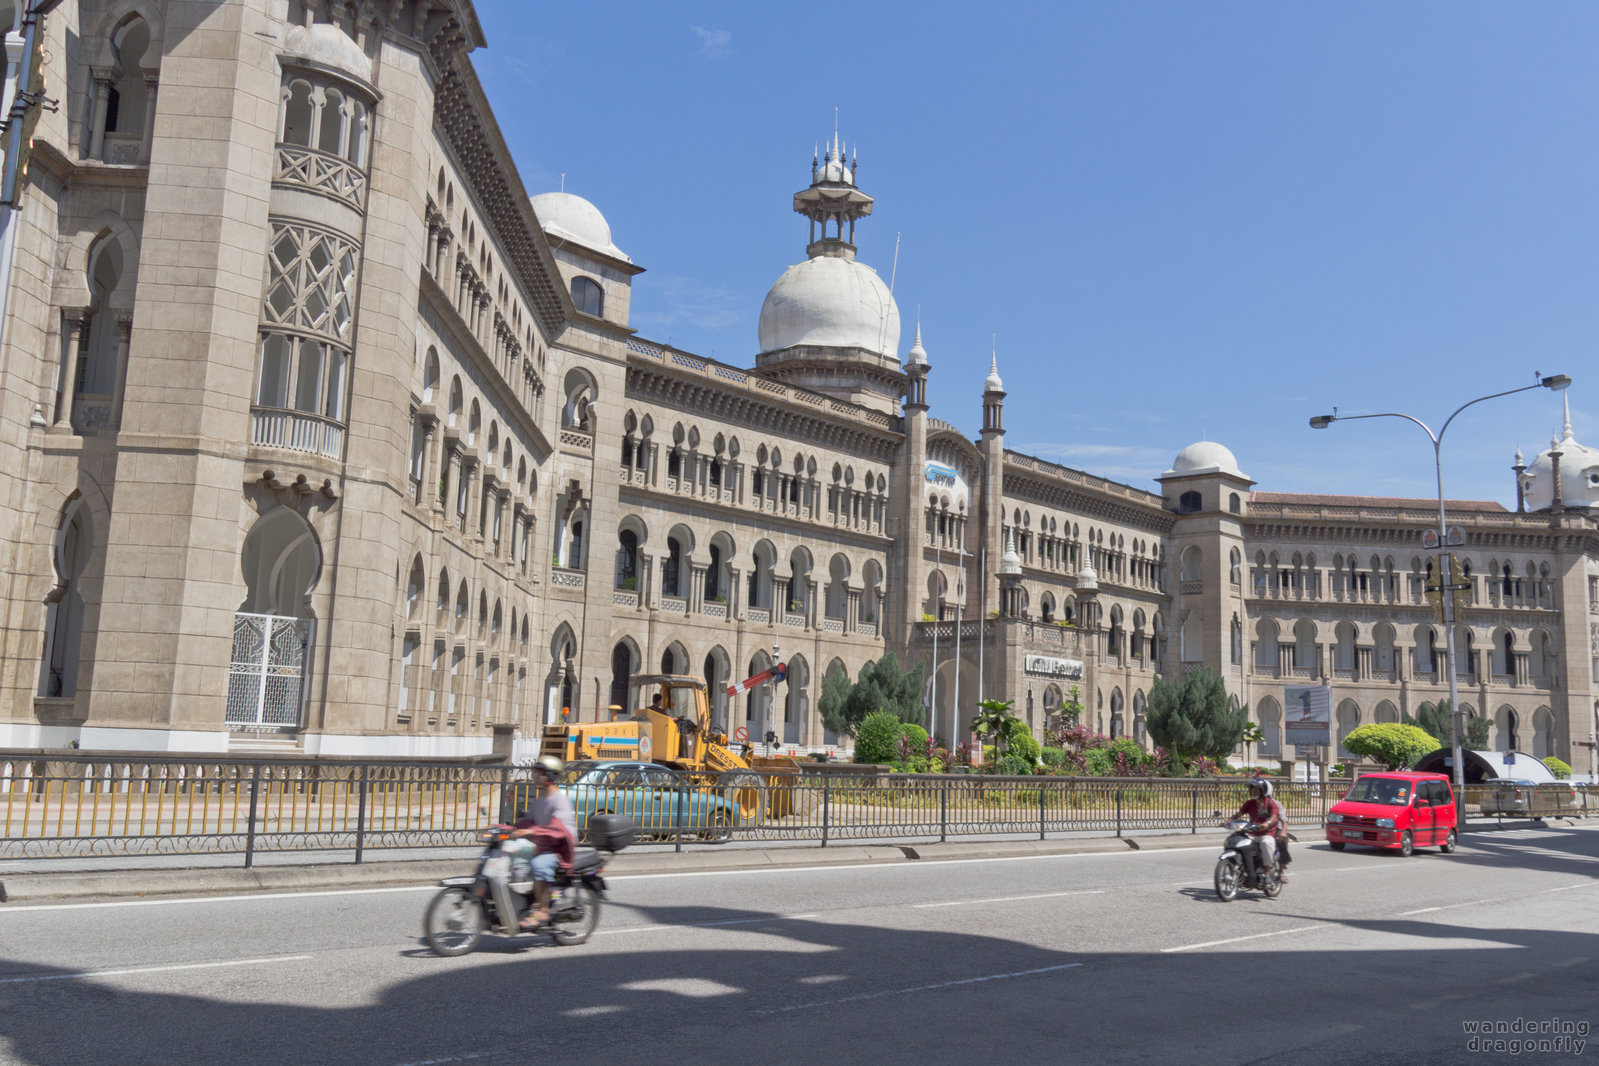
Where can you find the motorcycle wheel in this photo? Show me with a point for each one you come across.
(453, 923)
(583, 904)
(1226, 880)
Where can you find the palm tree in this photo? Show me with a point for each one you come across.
(993, 719)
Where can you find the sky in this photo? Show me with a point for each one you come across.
(1171, 221)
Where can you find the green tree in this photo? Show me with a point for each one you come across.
(881, 686)
(877, 738)
(993, 719)
(1195, 717)
(1396, 745)
(1071, 708)
(1434, 718)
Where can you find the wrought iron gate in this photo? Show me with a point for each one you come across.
(266, 682)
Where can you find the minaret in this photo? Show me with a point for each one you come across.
(909, 487)
(991, 514)
(1521, 487)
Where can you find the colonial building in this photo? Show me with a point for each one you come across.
(320, 433)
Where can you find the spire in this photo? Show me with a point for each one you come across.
(917, 356)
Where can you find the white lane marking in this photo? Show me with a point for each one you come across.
(1238, 939)
(707, 925)
(9, 909)
(920, 988)
(1011, 899)
(153, 969)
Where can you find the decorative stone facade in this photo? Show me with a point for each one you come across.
(320, 434)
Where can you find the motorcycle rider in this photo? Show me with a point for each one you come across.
(1267, 823)
(551, 825)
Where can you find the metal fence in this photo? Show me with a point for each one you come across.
(96, 806)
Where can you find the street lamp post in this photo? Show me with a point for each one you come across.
(1555, 382)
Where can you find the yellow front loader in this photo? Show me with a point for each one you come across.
(675, 731)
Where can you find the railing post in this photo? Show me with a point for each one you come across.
(681, 794)
(360, 819)
(249, 826)
(827, 781)
(1118, 811)
(943, 810)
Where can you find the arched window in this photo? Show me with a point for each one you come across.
(588, 296)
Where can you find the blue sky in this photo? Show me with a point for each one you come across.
(1181, 221)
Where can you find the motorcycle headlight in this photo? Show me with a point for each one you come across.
(1335, 817)
(1385, 823)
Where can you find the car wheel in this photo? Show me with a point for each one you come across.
(721, 827)
(1407, 844)
(1336, 845)
(1449, 843)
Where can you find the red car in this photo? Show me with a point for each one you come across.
(1398, 809)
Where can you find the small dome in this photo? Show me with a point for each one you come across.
(569, 217)
(830, 302)
(992, 382)
(1010, 563)
(1087, 580)
(1204, 457)
(917, 356)
(326, 43)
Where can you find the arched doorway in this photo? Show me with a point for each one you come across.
(273, 628)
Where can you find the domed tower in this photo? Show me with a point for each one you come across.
(829, 323)
(1564, 476)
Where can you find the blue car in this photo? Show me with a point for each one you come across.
(658, 799)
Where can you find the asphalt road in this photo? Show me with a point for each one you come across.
(1096, 958)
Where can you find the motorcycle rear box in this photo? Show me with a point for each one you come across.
(613, 832)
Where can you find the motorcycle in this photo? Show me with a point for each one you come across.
(467, 907)
(1239, 866)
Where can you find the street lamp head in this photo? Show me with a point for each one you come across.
(1555, 382)
(1322, 421)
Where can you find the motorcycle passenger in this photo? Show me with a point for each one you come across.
(1267, 823)
(551, 825)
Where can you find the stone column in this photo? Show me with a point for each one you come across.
(149, 120)
(124, 334)
(73, 319)
(102, 98)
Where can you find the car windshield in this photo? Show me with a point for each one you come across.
(1387, 790)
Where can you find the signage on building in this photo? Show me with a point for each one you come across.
(1307, 714)
(1044, 666)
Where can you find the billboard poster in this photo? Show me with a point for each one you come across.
(1307, 715)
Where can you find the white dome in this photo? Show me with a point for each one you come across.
(326, 43)
(1205, 457)
(830, 302)
(1579, 476)
(564, 215)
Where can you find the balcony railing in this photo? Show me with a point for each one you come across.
(296, 431)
